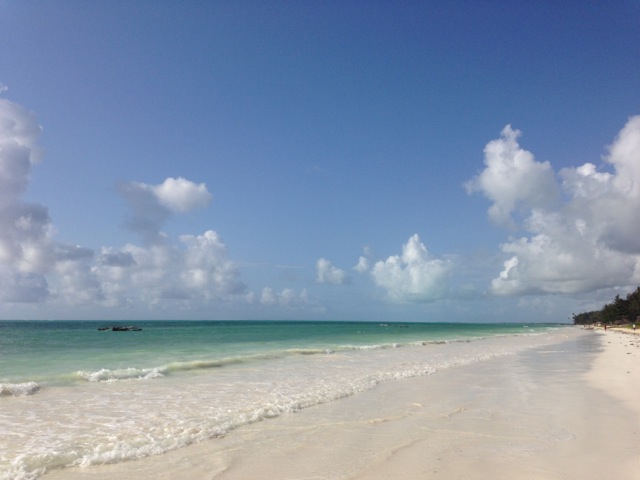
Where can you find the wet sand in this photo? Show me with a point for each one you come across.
(564, 411)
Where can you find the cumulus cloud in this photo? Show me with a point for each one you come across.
(180, 195)
(610, 203)
(327, 273)
(413, 276)
(35, 268)
(363, 265)
(152, 205)
(74, 282)
(19, 132)
(589, 241)
(25, 228)
(513, 179)
(28, 253)
(197, 270)
(206, 267)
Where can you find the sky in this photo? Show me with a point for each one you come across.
(474, 161)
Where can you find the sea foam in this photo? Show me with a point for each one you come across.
(107, 375)
(18, 389)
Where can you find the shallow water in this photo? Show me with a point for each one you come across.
(73, 395)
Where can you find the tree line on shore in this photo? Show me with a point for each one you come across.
(620, 311)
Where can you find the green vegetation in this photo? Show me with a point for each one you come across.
(620, 311)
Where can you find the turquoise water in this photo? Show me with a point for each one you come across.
(71, 394)
(53, 352)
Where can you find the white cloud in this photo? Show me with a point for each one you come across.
(199, 271)
(609, 204)
(152, 205)
(26, 248)
(206, 267)
(181, 195)
(34, 268)
(513, 179)
(19, 128)
(75, 283)
(414, 276)
(287, 298)
(589, 242)
(268, 296)
(156, 276)
(362, 266)
(28, 253)
(327, 273)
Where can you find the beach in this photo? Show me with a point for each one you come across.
(566, 409)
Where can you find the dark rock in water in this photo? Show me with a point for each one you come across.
(117, 328)
(130, 328)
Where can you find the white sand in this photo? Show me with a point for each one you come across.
(617, 369)
(557, 413)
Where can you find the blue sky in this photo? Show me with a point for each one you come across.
(409, 161)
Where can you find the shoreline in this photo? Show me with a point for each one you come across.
(555, 412)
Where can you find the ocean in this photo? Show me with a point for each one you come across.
(73, 394)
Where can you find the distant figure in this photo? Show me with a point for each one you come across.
(634, 326)
(605, 328)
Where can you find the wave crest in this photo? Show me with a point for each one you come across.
(106, 375)
(18, 389)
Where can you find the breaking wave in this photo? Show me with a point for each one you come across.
(18, 389)
(106, 375)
